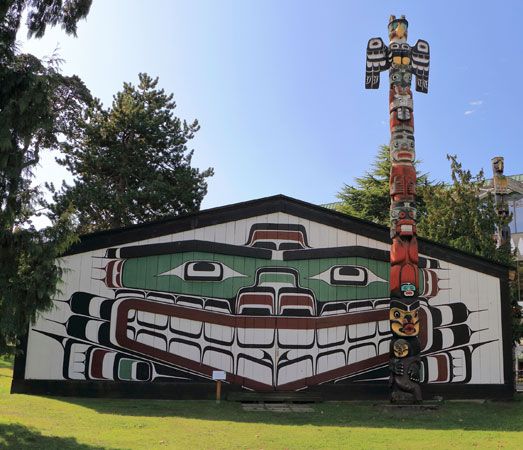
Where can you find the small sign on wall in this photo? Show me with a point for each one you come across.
(218, 375)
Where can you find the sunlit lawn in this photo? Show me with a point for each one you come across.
(57, 423)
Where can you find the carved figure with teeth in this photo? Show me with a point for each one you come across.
(404, 317)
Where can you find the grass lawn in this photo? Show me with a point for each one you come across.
(61, 423)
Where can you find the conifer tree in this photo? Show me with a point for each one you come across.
(130, 162)
(370, 198)
(37, 105)
(453, 214)
(458, 216)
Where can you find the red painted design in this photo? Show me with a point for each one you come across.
(245, 322)
(404, 264)
(443, 368)
(403, 182)
(97, 360)
(113, 274)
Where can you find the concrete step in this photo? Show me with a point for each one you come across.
(274, 397)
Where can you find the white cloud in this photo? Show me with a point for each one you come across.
(475, 104)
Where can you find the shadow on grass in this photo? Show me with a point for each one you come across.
(6, 362)
(492, 416)
(19, 437)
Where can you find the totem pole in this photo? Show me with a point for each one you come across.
(500, 185)
(402, 61)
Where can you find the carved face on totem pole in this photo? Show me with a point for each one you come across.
(402, 147)
(400, 348)
(404, 317)
(497, 165)
(400, 103)
(403, 217)
(500, 181)
(401, 108)
(400, 79)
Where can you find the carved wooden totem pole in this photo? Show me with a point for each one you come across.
(500, 184)
(402, 61)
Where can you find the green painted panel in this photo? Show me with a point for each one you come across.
(125, 369)
(151, 273)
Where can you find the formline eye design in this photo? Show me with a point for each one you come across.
(375, 43)
(202, 271)
(347, 275)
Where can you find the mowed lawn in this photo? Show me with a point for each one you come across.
(60, 423)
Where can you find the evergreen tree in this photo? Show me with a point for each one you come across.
(40, 14)
(456, 215)
(131, 162)
(370, 198)
(37, 104)
(453, 214)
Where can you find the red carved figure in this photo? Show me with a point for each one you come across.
(404, 265)
(402, 182)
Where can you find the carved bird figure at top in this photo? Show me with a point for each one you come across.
(398, 55)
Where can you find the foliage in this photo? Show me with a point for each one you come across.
(130, 162)
(370, 199)
(40, 14)
(457, 216)
(37, 104)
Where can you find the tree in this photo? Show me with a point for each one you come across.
(37, 104)
(370, 199)
(40, 14)
(451, 214)
(457, 216)
(131, 162)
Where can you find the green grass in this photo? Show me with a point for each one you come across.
(6, 362)
(63, 423)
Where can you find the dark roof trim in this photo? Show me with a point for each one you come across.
(268, 205)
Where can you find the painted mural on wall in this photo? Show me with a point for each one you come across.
(276, 301)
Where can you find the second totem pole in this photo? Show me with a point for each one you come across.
(402, 61)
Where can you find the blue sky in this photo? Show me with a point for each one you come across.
(278, 86)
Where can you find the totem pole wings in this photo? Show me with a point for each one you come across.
(420, 65)
(377, 61)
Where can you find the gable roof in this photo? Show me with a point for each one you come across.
(273, 204)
